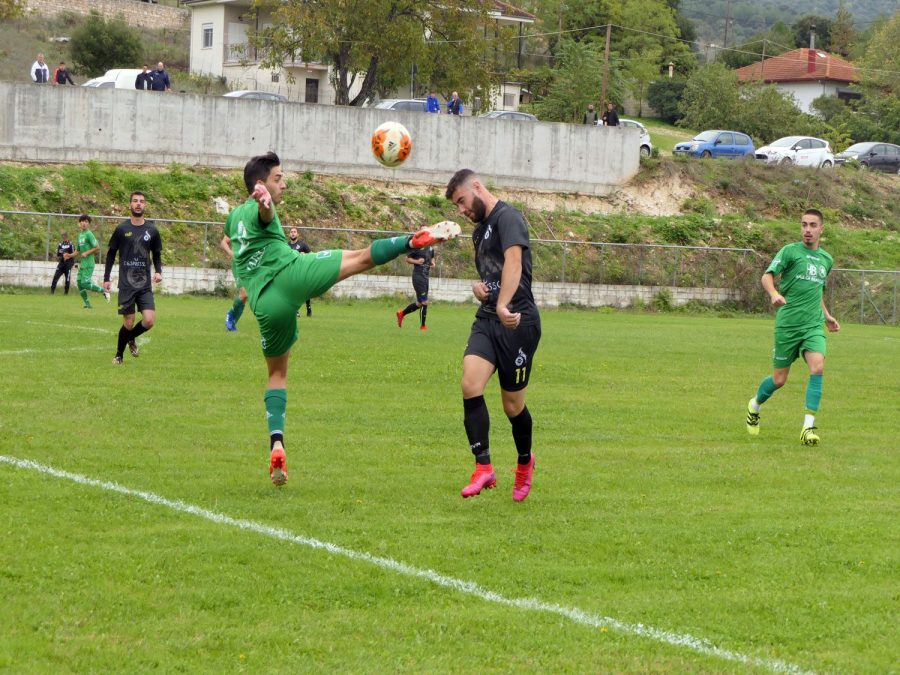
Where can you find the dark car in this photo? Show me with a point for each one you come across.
(875, 156)
(717, 143)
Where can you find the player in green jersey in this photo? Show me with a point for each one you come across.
(278, 280)
(803, 267)
(87, 247)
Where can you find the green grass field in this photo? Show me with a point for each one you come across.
(658, 537)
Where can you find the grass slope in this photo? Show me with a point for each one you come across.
(651, 504)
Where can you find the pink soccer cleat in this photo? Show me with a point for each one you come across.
(278, 467)
(433, 234)
(482, 478)
(522, 485)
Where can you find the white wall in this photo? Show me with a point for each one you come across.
(805, 93)
(207, 61)
(75, 124)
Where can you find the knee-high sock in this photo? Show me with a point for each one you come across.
(83, 294)
(477, 421)
(424, 313)
(521, 433)
(137, 330)
(237, 308)
(276, 406)
(385, 250)
(813, 393)
(766, 389)
(123, 340)
(410, 308)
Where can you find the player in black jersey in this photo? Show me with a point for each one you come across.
(422, 261)
(135, 240)
(65, 256)
(296, 243)
(506, 331)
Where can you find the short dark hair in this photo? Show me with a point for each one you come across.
(458, 179)
(259, 168)
(138, 193)
(84, 217)
(816, 213)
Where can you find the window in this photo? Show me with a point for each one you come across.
(509, 100)
(805, 144)
(817, 145)
(207, 36)
(879, 150)
(740, 139)
(276, 77)
(312, 90)
(725, 139)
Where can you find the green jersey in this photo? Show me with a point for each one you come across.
(803, 273)
(86, 241)
(260, 251)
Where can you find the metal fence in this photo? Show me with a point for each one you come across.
(866, 296)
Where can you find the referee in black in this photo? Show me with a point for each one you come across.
(422, 260)
(65, 256)
(296, 243)
(506, 331)
(135, 240)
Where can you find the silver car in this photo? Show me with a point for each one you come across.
(646, 145)
(797, 150)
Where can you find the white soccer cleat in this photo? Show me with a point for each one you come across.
(433, 234)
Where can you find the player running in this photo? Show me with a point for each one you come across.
(803, 267)
(422, 262)
(278, 281)
(506, 331)
(87, 248)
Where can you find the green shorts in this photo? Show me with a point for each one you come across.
(85, 273)
(791, 344)
(276, 307)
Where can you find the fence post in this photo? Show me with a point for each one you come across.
(862, 297)
(564, 249)
(47, 253)
(205, 233)
(602, 258)
(706, 269)
(640, 274)
(676, 268)
(894, 312)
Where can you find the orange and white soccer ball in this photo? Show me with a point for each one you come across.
(391, 144)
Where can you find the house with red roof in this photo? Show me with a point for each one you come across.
(806, 74)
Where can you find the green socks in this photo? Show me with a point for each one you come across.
(84, 297)
(385, 250)
(276, 403)
(813, 393)
(237, 308)
(766, 389)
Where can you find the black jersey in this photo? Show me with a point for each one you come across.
(134, 244)
(65, 247)
(426, 255)
(504, 226)
(300, 246)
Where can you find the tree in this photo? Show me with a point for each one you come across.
(10, 9)
(777, 40)
(843, 34)
(98, 45)
(802, 28)
(378, 41)
(767, 114)
(882, 58)
(664, 96)
(711, 98)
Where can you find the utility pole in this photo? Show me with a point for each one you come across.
(605, 65)
(762, 64)
(727, 21)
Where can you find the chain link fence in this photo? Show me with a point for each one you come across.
(864, 296)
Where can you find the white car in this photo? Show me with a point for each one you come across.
(117, 78)
(797, 150)
(646, 145)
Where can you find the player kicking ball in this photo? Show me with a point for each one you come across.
(803, 267)
(278, 281)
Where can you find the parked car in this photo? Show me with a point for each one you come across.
(646, 146)
(798, 150)
(717, 143)
(257, 95)
(117, 78)
(512, 115)
(412, 104)
(876, 156)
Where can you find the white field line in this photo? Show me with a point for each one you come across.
(574, 614)
(69, 326)
(14, 352)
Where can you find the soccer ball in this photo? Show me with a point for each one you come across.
(391, 144)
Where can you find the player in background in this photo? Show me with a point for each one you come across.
(278, 281)
(803, 267)
(506, 332)
(135, 240)
(87, 248)
(296, 243)
(422, 262)
(233, 315)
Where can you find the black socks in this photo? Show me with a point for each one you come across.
(521, 432)
(477, 421)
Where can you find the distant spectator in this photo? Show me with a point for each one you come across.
(590, 117)
(611, 117)
(432, 104)
(61, 74)
(40, 71)
(160, 78)
(65, 256)
(144, 80)
(454, 105)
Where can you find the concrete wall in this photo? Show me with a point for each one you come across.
(139, 14)
(547, 294)
(75, 124)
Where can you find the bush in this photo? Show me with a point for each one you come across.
(99, 45)
(664, 96)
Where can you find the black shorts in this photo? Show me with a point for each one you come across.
(129, 297)
(511, 351)
(420, 286)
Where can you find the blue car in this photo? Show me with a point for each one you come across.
(728, 144)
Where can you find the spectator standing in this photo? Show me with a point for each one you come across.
(65, 256)
(454, 105)
(61, 74)
(432, 104)
(160, 78)
(144, 80)
(611, 117)
(40, 71)
(590, 117)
